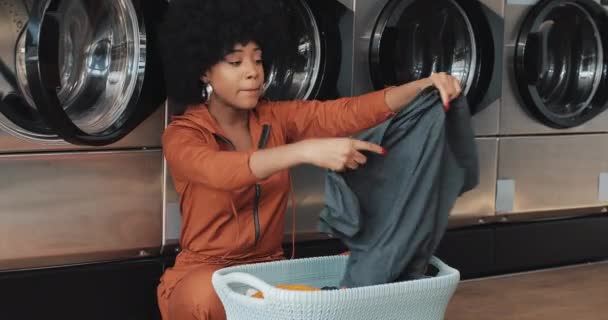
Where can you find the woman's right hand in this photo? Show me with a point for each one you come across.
(337, 154)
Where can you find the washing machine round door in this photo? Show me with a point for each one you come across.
(18, 113)
(561, 61)
(301, 73)
(413, 38)
(86, 69)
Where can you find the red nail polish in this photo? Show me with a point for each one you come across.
(384, 151)
(446, 106)
(388, 115)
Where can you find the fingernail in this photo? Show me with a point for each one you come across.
(446, 106)
(384, 151)
(388, 115)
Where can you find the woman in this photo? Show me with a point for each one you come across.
(230, 151)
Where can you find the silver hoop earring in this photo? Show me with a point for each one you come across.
(206, 91)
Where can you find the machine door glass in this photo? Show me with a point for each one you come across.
(18, 114)
(560, 62)
(297, 74)
(82, 70)
(414, 38)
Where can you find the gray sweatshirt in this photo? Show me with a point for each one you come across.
(393, 211)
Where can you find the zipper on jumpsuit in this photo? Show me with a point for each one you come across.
(258, 189)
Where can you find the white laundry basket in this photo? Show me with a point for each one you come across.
(424, 299)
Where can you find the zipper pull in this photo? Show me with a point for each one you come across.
(264, 136)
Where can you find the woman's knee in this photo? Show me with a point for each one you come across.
(194, 298)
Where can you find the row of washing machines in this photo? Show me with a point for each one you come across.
(535, 74)
(82, 111)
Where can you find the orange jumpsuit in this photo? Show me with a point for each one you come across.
(230, 217)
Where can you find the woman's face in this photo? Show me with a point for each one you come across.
(238, 79)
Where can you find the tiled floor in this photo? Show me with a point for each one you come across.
(571, 293)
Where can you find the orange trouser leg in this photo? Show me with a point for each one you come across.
(193, 298)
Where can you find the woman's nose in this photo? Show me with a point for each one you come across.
(252, 70)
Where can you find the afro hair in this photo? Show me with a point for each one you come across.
(196, 34)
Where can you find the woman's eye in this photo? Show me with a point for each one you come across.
(259, 61)
(234, 63)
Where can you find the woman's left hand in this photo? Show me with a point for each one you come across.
(448, 86)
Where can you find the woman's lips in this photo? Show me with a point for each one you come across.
(251, 91)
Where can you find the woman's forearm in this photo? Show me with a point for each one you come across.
(266, 162)
(398, 97)
(329, 153)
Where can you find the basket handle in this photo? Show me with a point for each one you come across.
(247, 279)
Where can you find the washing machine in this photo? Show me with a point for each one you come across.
(319, 69)
(398, 41)
(81, 115)
(553, 124)
(310, 71)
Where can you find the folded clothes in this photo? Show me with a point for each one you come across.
(297, 287)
